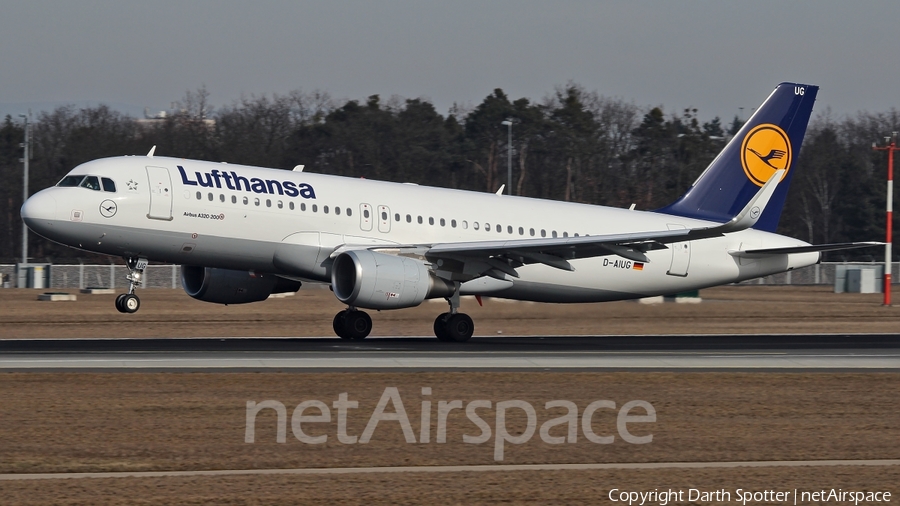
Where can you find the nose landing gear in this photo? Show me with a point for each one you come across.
(129, 302)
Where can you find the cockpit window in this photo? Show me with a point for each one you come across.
(91, 183)
(70, 181)
(108, 185)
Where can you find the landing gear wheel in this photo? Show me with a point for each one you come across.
(340, 324)
(119, 307)
(459, 328)
(357, 325)
(440, 327)
(130, 303)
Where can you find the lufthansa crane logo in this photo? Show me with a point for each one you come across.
(108, 208)
(764, 150)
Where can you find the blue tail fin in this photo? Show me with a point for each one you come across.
(769, 141)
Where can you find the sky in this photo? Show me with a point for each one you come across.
(716, 56)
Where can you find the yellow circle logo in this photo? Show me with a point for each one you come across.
(764, 150)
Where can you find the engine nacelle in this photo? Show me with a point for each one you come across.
(225, 286)
(363, 278)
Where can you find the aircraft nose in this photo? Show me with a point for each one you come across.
(39, 211)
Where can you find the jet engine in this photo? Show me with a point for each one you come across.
(225, 286)
(363, 278)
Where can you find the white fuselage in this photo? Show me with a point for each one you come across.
(289, 222)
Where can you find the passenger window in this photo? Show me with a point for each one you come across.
(291, 205)
(543, 233)
(280, 205)
(234, 199)
(268, 202)
(337, 211)
(349, 212)
(108, 185)
(199, 196)
(499, 229)
(531, 231)
(509, 229)
(554, 233)
(408, 218)
(521, 231)
(256, 202)
(365, 212)
(465, 224)
(430, 220)
(91, 183)
(246, 201)
(315, 209)
(443, 222)
(576, 234)
(303, 206)
(420, 220)
(209, 196)
(475, 225)
(384, 216)
(396, 216)
(221, 197)
(565, 234)
(487, 227)
(453, 223)
(325, 209)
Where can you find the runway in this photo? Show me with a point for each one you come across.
(830, 352)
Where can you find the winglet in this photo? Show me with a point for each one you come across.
(754, 209)
(152, 150)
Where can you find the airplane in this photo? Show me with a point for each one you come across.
(243, 233)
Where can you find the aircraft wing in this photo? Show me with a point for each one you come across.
(468, 260)
(504, 256)
(500, 258)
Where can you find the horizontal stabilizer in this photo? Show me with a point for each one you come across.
(758, 253)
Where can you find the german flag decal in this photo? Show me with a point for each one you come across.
(638, 266)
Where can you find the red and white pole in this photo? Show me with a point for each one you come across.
(890, 148)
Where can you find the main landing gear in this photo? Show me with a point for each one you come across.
(352, 324)
(454, 326)
(129, 302)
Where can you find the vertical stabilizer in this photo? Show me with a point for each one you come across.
(768, 142)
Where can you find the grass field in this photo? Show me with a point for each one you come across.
(724, 310)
